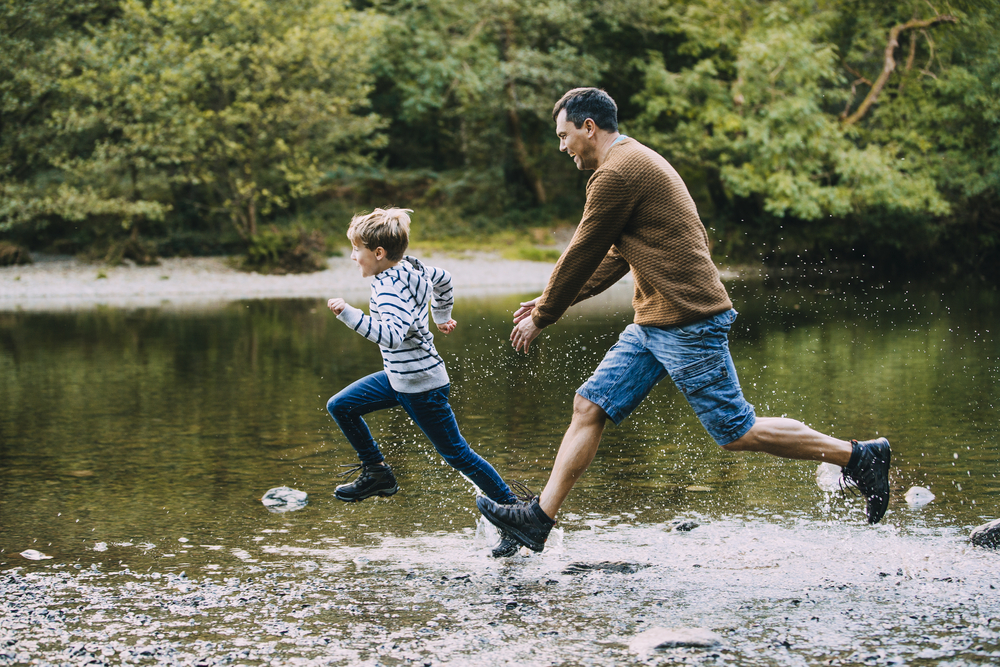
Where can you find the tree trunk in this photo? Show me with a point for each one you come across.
(890, 64)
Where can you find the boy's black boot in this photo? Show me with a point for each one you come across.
(869, 471)
(374, 480)
(524, 521)
(508, 546)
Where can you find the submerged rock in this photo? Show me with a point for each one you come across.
(987, 535)
(673, 638)
(684, 525)
(828, 477)
(618, 567)
(284, 499)
(31, 554)
(918, 496)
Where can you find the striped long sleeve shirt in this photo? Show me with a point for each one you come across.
(400, 299)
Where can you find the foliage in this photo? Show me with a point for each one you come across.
(280, 251)
(240, 107)
(805, 128)
(762, 114)
(12, 254)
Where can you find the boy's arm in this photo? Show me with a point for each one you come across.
(442, 294)
(395, 318)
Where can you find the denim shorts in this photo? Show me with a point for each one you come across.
(695, 356)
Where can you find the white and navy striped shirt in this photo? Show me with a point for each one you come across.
(398, 323)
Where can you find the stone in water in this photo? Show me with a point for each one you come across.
(918, 496)
(284, 499)
(31, 554)
(828, 477)
(674, 638)
(987, 535)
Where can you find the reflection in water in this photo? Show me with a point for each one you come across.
(136, 445)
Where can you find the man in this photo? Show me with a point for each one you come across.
(639, 216)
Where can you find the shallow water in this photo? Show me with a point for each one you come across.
(135, 447)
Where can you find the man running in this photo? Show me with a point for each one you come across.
(639, 217)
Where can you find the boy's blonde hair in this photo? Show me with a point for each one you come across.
(386, 228)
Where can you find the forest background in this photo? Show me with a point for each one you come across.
(820, 132)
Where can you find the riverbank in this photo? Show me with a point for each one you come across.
(66, 283)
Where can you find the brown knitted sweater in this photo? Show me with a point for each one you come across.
(639, 216)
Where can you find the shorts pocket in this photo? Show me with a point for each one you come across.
(703, 373)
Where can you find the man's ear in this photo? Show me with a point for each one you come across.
(590, 126)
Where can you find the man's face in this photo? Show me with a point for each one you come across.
(577, 141)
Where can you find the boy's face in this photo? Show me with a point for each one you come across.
(371, 262)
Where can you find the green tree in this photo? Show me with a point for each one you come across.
(770, 112)
(243, 107)
(479, 78)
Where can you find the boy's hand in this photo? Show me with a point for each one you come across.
(336, 305)
(447, 327)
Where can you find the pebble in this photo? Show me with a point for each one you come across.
(31, 554)
(284, 499)
(828, 477)
(987, 535)
(918, 496)
(655, 638)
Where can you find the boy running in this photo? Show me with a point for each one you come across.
(414, 374)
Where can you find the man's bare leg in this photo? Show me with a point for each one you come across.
(576, 452)
(791, 439)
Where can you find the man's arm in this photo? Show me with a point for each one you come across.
(609, 207)
(612, 269)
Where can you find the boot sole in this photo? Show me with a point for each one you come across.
(384, 493)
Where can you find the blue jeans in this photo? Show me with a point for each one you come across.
(695, 356)
(430, 411)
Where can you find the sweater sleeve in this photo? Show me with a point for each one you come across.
(442, 294)
(613, 268)
(609, 207)
(395, 317)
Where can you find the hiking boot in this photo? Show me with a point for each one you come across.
(523, 521)
(871, 475)
(374, 480)
(508, 546)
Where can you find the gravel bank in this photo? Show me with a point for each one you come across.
(61, 283)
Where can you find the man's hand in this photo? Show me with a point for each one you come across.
(524, 332)
(447, 327)
(525, 310)
(336, 305)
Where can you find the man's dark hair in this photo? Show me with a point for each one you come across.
(584, 103)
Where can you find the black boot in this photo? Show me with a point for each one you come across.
(374, 480)
(870, 473)
(524, 521)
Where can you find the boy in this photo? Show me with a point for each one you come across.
(414, 374)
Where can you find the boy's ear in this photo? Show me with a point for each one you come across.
(379, 253)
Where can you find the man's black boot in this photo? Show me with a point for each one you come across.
(524, 521)
(374, 480)
(869, 471)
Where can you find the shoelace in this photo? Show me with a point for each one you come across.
(352, 468)
(522, 492)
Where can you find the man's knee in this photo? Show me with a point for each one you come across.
(586, 411)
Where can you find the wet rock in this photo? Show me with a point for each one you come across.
(684, 525)
(284, 499)
(918, 496)
(987, 535)
(655, 638)
(617, 567)
(31, 554)
(828, 477)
